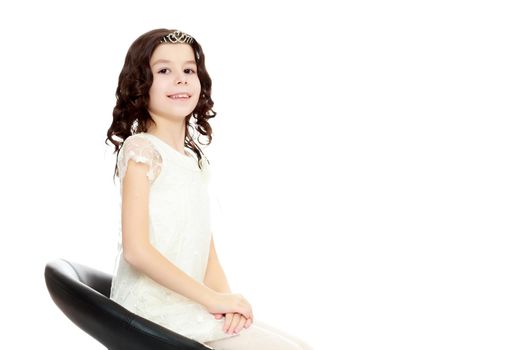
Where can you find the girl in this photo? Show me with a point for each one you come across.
(167, 269)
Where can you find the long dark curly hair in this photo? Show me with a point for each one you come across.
(130, 114)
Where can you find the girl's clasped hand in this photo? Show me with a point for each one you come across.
(234, 322)
(235, 309)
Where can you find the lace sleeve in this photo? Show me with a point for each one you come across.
(140, 150)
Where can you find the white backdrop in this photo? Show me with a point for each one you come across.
(367, 157)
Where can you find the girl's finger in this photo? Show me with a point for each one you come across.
(234, 323)
(248, 314)
(227, 321)
(241, 324)
(218, 316)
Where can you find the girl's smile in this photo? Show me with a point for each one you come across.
(183, 96)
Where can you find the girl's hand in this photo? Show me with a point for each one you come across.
(234, 322)
(224, 303)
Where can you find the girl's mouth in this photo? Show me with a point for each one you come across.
(180, 96)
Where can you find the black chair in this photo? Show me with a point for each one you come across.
(82, 293)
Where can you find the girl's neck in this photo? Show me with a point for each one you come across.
(173, 135)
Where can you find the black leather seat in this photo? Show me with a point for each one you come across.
(82, 293)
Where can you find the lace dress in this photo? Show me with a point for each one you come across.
(179, 228)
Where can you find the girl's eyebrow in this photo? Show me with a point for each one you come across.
(162, 60)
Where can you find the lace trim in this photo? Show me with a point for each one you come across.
(140, 150)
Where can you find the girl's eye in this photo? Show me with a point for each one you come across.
(163, 70)
(189, 69)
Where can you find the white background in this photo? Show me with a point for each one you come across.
(367, 157)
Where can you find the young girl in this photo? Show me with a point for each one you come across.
(167, 269)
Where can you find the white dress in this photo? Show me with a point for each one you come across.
(179, 228)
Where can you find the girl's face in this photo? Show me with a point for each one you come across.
(176, 88)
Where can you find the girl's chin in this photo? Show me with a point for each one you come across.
(171, 115)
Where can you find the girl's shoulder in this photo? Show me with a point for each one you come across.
(139, 140)
(139, 144)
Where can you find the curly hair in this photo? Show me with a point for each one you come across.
(130, 114)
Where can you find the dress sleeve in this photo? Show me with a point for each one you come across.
(140, 150)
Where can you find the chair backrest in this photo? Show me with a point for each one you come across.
(82, 293)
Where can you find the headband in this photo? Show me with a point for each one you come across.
(177, 37)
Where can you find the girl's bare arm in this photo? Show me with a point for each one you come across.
(137, 248)
(215, 277)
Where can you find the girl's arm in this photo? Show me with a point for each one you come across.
(137, 249)
(215, 277)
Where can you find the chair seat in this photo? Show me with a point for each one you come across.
(82, 293)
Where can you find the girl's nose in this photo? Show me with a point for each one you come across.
(181, 79)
